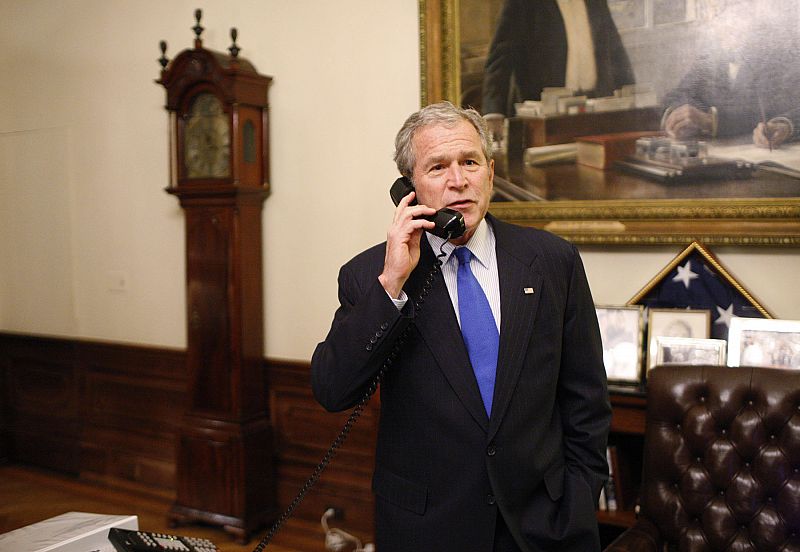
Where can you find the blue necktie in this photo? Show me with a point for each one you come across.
(477, 327)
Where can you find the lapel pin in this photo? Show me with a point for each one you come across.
(527, 291)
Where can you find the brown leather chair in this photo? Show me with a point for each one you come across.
(721, 462)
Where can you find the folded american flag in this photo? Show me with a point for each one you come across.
(696, 280)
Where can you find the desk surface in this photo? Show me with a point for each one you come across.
(570, 181)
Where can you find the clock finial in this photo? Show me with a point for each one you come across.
(163, 59)
(198, 29)
(234, 49)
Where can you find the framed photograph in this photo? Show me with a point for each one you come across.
(664, 46)
(761, 342)
(685, 323)
(685, 350)
(621, 330)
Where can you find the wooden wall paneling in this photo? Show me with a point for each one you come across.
(5, 398)
(103, 412)
(43, 407)
(112, 413)
(132, 403)
(303, 433)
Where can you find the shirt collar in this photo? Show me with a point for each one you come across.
(480, 244)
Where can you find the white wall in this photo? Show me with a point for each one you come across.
(90, 244)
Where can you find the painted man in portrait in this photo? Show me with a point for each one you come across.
(745, 76)
(552, 43)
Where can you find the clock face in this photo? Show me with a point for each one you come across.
(207, 139)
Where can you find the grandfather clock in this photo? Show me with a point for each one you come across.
(219, 170)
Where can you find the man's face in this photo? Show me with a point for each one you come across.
(451, 171)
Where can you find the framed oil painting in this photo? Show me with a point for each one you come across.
(684, 125)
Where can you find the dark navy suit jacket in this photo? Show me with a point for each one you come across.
(444, 470)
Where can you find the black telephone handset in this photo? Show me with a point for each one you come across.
(125, 540)
(449, 223)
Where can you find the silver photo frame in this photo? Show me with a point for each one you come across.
(689, 351)
(764, 343)
(622, 330)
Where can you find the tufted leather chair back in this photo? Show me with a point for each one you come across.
(721, 460)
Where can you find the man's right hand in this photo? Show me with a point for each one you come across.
(403, 244)
(686, 121)
(775, 133)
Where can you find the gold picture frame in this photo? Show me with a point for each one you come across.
(767, 221)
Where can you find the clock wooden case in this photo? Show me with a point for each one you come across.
(219, 171)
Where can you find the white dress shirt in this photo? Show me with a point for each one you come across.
(581, 65)
(483, 266)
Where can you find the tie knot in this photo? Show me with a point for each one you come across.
(463, 255)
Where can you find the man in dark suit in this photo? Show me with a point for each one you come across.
(511, 459)
(744, 81)
(534, 43)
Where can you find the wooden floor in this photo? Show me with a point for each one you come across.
(28, 495)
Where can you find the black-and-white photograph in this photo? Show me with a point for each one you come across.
(686, 323)
(688, 351)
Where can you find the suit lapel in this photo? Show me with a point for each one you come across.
(439, 329)
(520, 289)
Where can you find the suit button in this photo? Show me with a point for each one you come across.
(373, 340)
(368, 347)
(385, 326)
(490, 499)
(491, 450)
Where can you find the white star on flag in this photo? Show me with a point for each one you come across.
(725, 315)
(685, 274)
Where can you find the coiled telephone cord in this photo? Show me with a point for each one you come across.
(354, 415)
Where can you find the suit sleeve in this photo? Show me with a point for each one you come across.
(692, 87)
(583, 390)
(365, 327)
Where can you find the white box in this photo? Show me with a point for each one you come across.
(70, 532)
